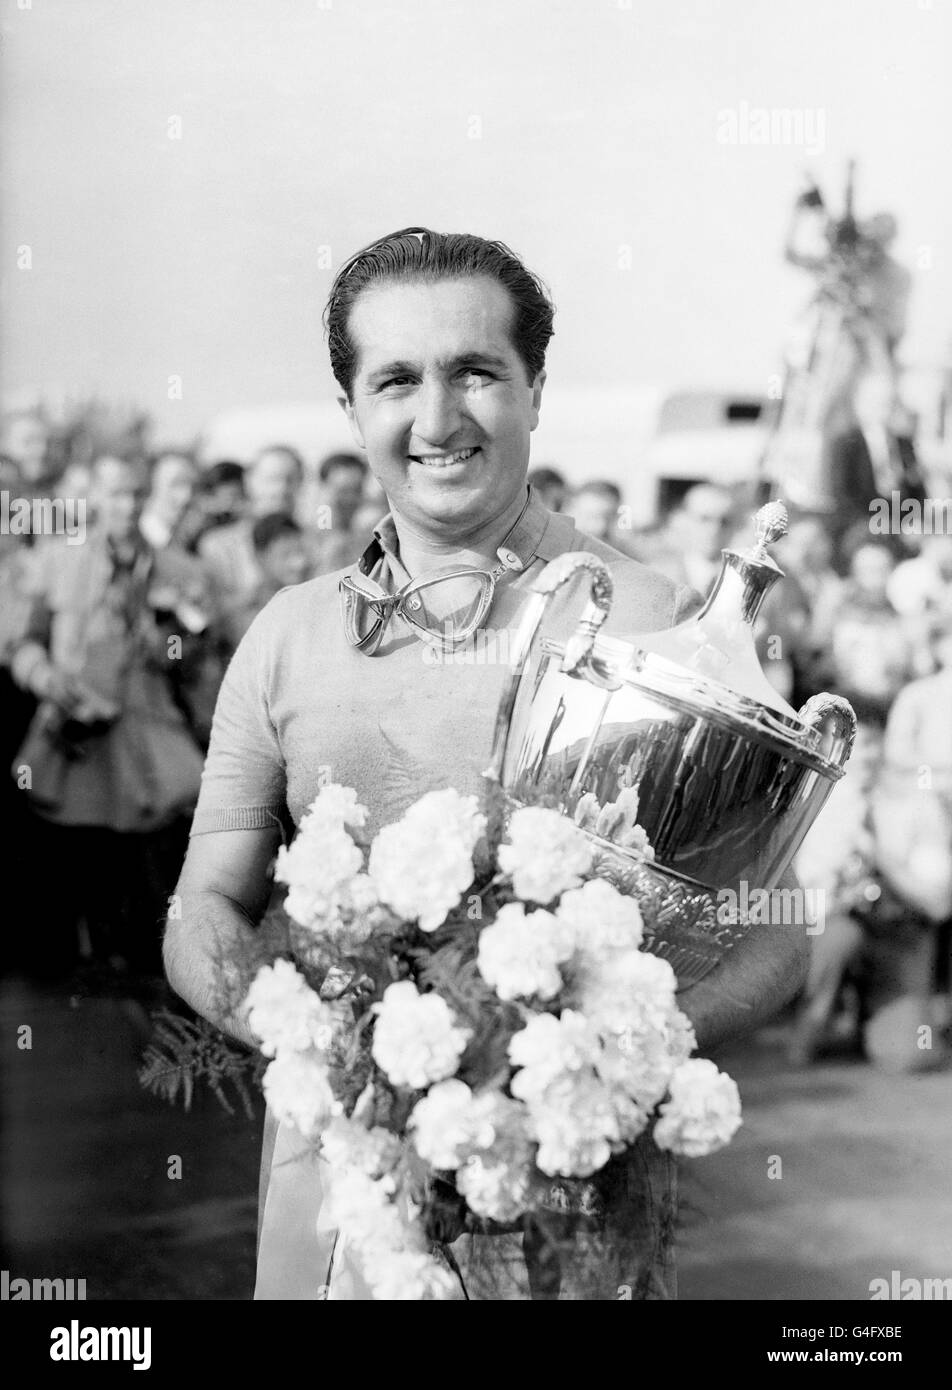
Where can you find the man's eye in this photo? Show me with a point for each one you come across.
(476, 377)
(395, 381)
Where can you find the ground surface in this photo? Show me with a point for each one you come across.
(866, 1164)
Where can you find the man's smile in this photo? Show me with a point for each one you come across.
(444, 460)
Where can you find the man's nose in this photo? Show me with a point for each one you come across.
(437, 413)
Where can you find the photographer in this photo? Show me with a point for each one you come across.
(113, 632)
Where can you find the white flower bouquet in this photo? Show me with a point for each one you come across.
(465, 1020)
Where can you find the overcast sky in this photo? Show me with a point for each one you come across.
(591, 135)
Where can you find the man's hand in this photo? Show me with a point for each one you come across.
(752, 983)
(222, 894)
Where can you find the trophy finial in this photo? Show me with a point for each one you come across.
(771, 524)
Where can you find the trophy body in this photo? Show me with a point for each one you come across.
(722, 778)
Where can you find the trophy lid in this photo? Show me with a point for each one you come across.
(717, 644)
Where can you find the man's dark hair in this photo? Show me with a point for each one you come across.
(271, 528)
(334, 461)
(225, 471)
(416, 253)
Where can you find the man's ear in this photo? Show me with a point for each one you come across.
(351, 414)
(537, 386)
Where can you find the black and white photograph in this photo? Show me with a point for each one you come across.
(476, 662)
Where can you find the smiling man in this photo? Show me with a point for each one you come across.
(438, 344)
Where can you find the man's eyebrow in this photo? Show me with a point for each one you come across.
(454, 364)
(393, 369)
(477, 359)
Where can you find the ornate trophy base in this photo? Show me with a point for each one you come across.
(681, 919)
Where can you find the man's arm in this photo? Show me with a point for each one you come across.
(752, 983)
(223, 891)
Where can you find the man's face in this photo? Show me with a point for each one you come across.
(441, 401)
(119, 491)
(173, 487)
(273, 483)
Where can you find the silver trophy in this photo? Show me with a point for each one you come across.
(677, 735)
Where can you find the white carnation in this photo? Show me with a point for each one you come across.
(547, 1047)
(347, 1144)
(297, 1088)
(360, 895)
(626, 989)
(577, 1126)
(496, 1186)
(319, 863)
(601, 919)
(285, 1013)
(334, 805)
(363, 1208)
(639, 1064)
(410, 1276)
(483, 1137)
(448, 1122)
(546, 854)
(416, 1037)
(519, 954)
(496, 1176)
(422, 864)
(703, 1113)
(388, 1247)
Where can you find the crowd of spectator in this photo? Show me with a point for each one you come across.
(111, 654)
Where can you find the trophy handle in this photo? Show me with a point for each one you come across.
(578, 649)
(835, 719)
(577, 660)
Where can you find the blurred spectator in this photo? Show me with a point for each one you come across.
(17, 708)
(596, 509)
(907, 954)
(881, 854)
(889, 428)
(872, 653)
(836, 864)
(550, 485)
(697, 531)
(174, 478)
(341, 482)
(806, 552)
(219, 500)
(806, 556)
(365, 520)
(76, 482)
(10, 481)
(919, 731)
(342, 478)
(923, 585)
(851, 482)
(109, 765)
(273, 482)
(283, 558)
(26, 439)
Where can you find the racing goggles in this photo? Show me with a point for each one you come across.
(445, 606)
